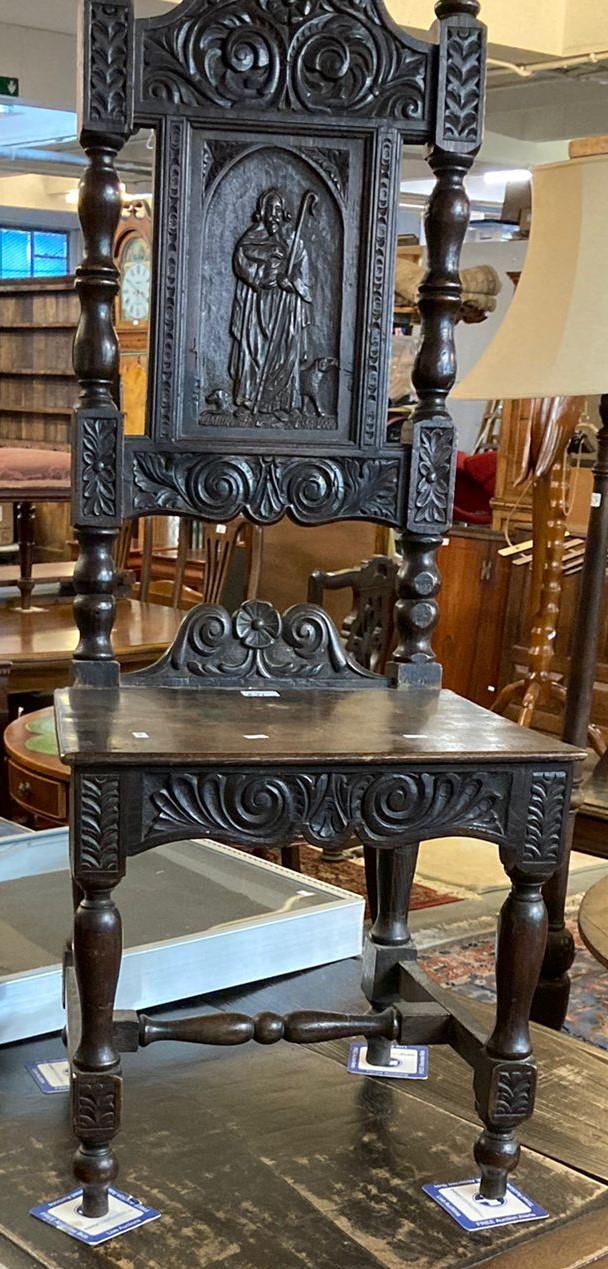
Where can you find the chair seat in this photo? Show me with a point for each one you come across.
(32, 473)
(176, 725)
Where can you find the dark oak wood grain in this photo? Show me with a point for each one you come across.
(310, 724)
(268, 397)
(296, 1186)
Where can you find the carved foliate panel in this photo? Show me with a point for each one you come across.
(107, 83)
(311, 491)
(96, 1106)
(273, 806)
(97, 841)
(460, 110)
(547, 809)
(97, 458)
(303, 56)
(505, 1091)
(432, 477)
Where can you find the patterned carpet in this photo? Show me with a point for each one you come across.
(350, 875)
(468, 967)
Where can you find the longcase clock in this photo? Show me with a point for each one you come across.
(133, 254)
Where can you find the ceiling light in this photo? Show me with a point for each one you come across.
(507, 175)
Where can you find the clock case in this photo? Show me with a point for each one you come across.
(133, 337)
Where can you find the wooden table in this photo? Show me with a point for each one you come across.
(591, 824)
(293, 1146)
(38, 781)
(593, 921)
(23, 496)
(39, 645)
(36, 650)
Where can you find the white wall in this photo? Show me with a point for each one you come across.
(471, 340)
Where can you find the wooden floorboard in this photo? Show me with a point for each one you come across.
(581, 1244)
(277, 1158)
(569, 1122)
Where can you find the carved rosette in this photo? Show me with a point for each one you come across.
(98, 846)
(257, 643)
(432, 477)
(547, 810)
(311, 491)
(382, 808)
(109, 72)
(307, 56)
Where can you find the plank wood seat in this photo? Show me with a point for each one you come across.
(279, 146)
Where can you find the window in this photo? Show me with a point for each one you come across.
(33, 253)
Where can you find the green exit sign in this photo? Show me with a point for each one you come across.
(9, 86)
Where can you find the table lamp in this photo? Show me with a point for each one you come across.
(553, 343)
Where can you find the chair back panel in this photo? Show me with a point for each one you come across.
(279, 128)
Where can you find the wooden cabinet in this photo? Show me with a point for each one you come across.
(469, 637)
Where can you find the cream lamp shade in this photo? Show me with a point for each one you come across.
(554, 338)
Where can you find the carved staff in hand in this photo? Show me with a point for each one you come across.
(271, 311)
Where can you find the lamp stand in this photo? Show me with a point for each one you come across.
(551, 1000)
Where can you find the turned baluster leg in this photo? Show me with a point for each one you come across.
(550, 1004)
(389, 940)
(505, 1077)
(96, 1087)
(25, 516)
(97, 945)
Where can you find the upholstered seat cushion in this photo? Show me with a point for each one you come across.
(34, 468)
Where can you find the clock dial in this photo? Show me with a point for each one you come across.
(135, 283)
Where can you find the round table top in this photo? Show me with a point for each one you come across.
(31, 740)
(40, 637)
(593, 920)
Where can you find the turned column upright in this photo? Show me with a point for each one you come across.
(427, 516)
(105, 125)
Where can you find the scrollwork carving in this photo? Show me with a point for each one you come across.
(311, 491)
(311, 55)
(326, 807)
(257, 643)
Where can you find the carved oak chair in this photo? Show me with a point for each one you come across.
(279, 136)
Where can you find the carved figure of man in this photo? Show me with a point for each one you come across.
(271, 312)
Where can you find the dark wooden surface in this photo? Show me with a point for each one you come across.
(39, 644)
(280, 1157)
(469, 636)
(297, 725)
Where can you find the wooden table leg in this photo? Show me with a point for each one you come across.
(25, 517)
